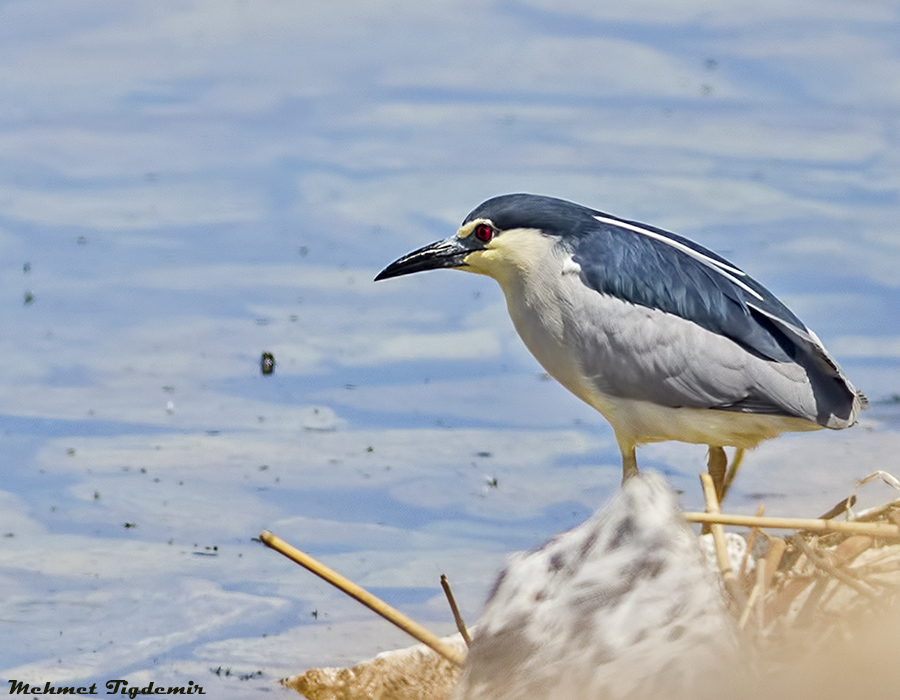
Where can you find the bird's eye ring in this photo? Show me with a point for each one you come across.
(484, 233)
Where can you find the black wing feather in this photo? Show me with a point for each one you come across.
(649, 272)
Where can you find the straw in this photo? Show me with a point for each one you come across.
(371, 601)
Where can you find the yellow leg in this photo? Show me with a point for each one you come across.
(732, 471)
(629, 464)
(717, 463)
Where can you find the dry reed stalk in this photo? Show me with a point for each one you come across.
(876, 512)
(851, 548)
(756, 594)
(883, 530)
(833, 571)
(785, 595)
(359, 593)
(460, 623)
(777, 546)
(718, 532)
(751, 541)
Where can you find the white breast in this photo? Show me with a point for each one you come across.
(651, 374)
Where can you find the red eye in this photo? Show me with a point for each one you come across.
(484, 233)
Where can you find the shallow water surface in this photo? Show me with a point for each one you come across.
(184, 186)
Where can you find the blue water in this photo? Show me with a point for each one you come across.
(184, 186)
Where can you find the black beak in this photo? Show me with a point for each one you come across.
(450, 252)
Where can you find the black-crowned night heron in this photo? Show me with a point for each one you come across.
(668, 340)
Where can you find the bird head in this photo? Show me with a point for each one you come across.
(502, 235)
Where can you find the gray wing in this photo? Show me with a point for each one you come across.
(656, 269)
